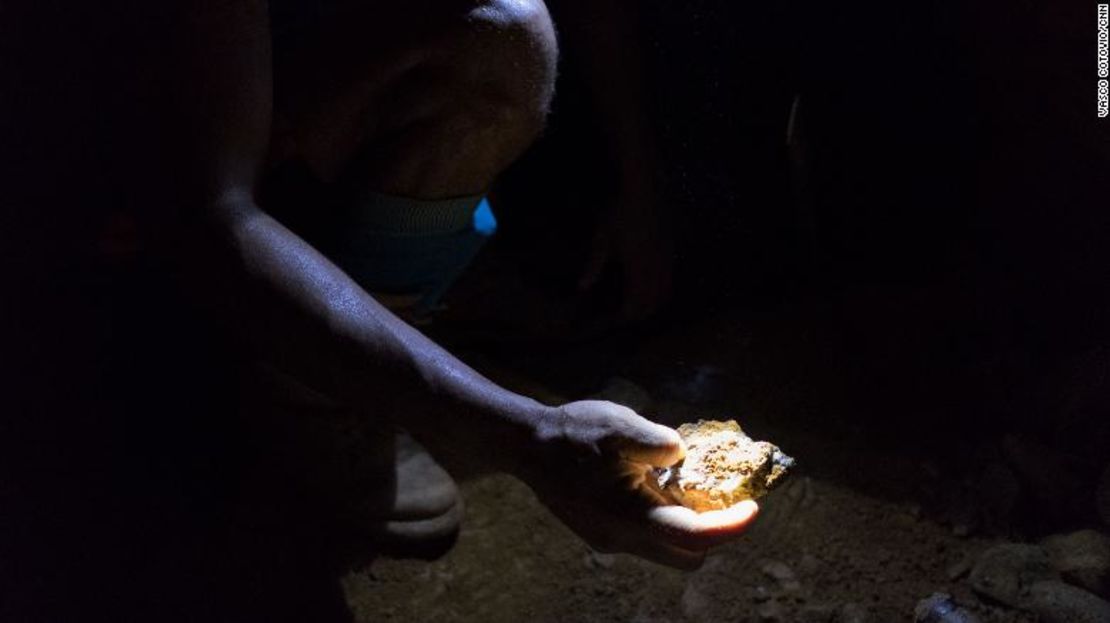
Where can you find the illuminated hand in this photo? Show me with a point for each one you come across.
(593, 470)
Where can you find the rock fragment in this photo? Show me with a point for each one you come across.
(760, 594)
(723, 466)
(1006, 573)
(1057, 602)
(959, 569)
(598, 560)
(1082, 558)
(778, 570)
(783, 574)
(941, 608)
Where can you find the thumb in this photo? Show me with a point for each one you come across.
(653, 444)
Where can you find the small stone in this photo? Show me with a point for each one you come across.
(940, 608)
(1057, 602)
(959, 569)
(778, 570)
(852, 613)
(760, 594)
(782, 573)
(597, 560)
(723, 467)
(1082, 558)
(1005, 573)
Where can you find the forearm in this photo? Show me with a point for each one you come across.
(199, 124)
(304, 316)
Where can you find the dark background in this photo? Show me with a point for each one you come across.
(947, 154)
(923, 271)
(924, 267)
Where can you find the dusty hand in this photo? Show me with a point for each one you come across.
(592, 469)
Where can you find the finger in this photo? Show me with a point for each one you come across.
(692, 530)
(652, 444)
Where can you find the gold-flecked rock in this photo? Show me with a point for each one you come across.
(723, 466)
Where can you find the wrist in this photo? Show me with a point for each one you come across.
(530, 429)
(499, 428)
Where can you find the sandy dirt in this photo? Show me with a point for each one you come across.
(850, 537)
(515, 562)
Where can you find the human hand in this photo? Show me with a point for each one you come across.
(592, 468)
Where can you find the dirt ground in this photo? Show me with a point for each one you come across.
(850, 538)
(851, 555)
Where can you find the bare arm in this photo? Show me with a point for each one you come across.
(289, 303)
(300, 312)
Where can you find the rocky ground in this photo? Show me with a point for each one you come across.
(884, 520)
(820, 552)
